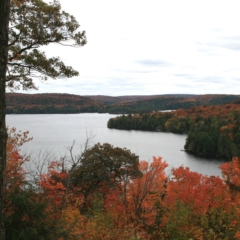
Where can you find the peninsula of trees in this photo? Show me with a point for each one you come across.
(213, 131)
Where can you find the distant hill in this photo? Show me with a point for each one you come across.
(143, 104)
(69, 103)
(50, 103)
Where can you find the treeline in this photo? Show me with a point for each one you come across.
(107, 193)
(43, 109)
(49, 103)
(213, 131)
(147, 106)
(67, 103)
(170, 102)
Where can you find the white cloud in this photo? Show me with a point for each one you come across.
(152, 47)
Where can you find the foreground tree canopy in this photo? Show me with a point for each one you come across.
(33, 24)
(122, 204)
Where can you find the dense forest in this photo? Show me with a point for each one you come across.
(19, 103)
(107, 193)
(212, 130)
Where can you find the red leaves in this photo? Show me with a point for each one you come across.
(14, 175)
(194, 188)
(231, 173)
(52, 183)
(135, 199)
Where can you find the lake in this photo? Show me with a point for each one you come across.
(55, 133)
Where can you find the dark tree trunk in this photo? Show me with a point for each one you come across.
(4, 21)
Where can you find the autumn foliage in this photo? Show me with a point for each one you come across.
(152, 205)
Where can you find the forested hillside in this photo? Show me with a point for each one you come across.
(50, 103)
(167, 102)
(67, 103)
(212, 130)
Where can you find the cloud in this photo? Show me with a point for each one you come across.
(227, 42)
(208, 49)
(185, 75)
(135, 71)
(231, 45)
(153, 63)
(210, 79)
(169, 50)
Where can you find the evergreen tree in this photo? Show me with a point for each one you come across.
(33, 24)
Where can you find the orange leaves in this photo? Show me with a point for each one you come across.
(231, 173)
(52, 183)
(195, 189)
(152, 200)
(142, 205)
(14, 175)
(158, 165)
(138, 197)
(153, 178)
(114, 201)
(143, 165)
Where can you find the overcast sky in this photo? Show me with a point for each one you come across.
(140, 47)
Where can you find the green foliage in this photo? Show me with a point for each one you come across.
(33, 24)
(28, 216)
(146, 121)
(182, 223)
(104, 166)
(218, 224)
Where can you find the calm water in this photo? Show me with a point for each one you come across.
(56, 133)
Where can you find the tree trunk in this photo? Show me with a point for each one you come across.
(4, 21)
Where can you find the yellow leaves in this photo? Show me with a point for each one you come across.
(167, 124)
(103, 225)
(74, 222)
(224, 129)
